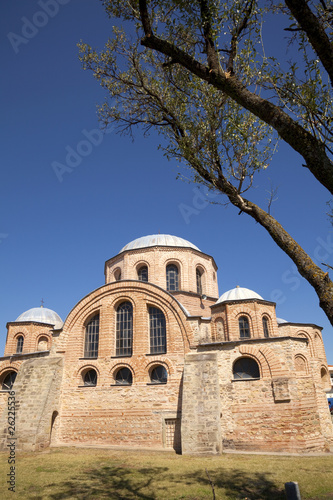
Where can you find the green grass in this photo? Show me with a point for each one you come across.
(77, 473)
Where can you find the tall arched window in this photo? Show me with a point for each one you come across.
(199, 274)
(91, 338)
(244, 327)
(124, 334)
(157, 329)
(246, 368)
(265, 326)
(143, 273)
(19, 345)
(172, 278)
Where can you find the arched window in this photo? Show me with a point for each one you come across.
(172, 278)
(265, 326)
(199, 274)
(91, 338)
(124, 335)
(143, 273)
(19, 345)
(124, 376)
(117, 275)
(8, 381)
(159, 375)
(244, 327)
(157, 329)
(246, 368)
(90, 378)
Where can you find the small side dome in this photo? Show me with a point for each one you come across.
(239, 293)
(41, 315)
(163, 240)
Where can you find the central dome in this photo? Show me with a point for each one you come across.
(41, 315)
(163, 240)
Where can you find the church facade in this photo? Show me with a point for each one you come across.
(155, 358)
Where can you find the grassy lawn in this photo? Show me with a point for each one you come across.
(78, 473)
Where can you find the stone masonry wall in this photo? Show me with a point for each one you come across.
(200, 426)
(37, 394)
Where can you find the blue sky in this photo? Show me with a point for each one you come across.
(55, 236)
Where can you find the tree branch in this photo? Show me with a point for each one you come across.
(315, 32)
(302, 141)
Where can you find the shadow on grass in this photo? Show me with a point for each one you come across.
(118, 483)
(122, 483)
(238, 484)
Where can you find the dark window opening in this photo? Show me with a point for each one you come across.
(143, 273)
(124, 333)
(244, 327)
(245, 368)
(265, 326)
(199, 281)
(172, 278)
(92, 338)
(19, 345)
(124, 376)
(157, 329)
(8, 381)
(159, 375)
(90, 378)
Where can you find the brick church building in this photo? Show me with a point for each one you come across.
(156, 358)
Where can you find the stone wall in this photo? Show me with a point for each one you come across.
(37, 394)
(200, 425)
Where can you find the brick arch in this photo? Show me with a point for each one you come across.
(273, 363)
(117, 366)
(111, 292)
(159, 360)
(254, 353)
(84, 368)
(9, 367)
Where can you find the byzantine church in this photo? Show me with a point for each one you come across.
(157, 359)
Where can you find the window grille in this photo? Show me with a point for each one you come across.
(246, 368)
(124, 333)
(91, 338)
(143, 273)
(265, 326)
(244, 327)
(90, 378)
(157, 328)
(199, 281)
(8, 381)
(124, 376)
(172, 278)
(159, 375)
(19, 345)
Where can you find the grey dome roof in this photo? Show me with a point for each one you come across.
(153, 240)
(41, 315)
(280, 321)
(238, 293)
